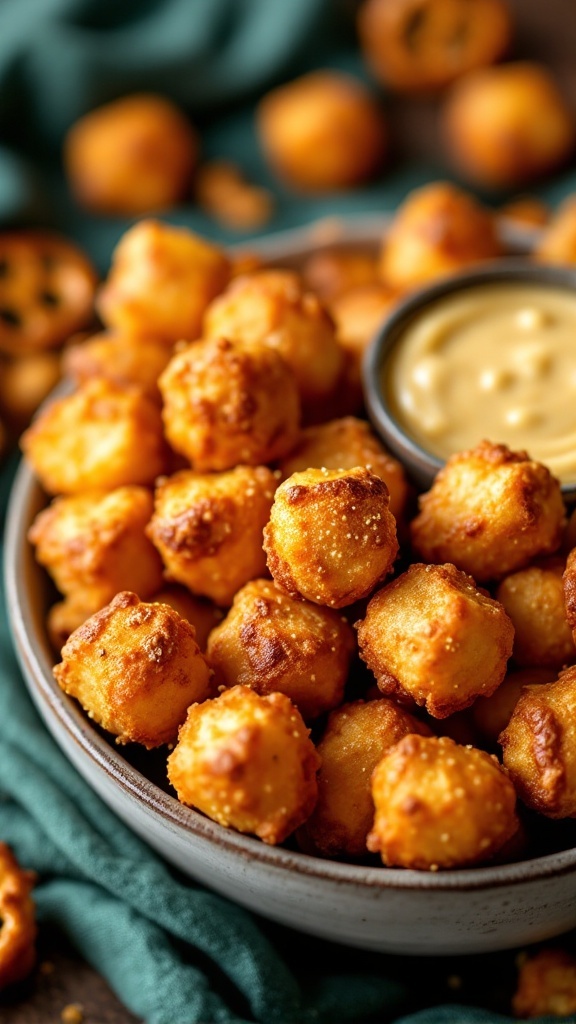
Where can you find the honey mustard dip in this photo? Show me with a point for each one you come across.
(495, 361)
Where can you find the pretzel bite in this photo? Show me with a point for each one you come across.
(208, 528)
(135, 668)
(331, 272)
(161, 281)
(539, 746)
(25, 383)
(63, 618)
(17, 919)
(201, 614)
(94, 545)
(529, 211)
(247, 762)
(534, 600)
(355, 739)
(123, 359)
(272, 307)
(557, 242)
(440, 805)
(226, 403)
(424, 45)
(223, 192)
(132, 156)
(358, 315)
(432, 637)
(344, 444)
(331, 537)
(492, 714)
(489, 511)
(546, 985)
(439, 229)
(322, 131)
(272, 643)
(508, 125)
(47, 288)
(99, 438)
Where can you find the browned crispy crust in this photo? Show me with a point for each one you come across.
(17, 919)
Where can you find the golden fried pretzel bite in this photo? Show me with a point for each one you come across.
(539, 746)
(492, 714)
(135, 668)
(201, 614)
(527, 210)
(508, 125)
(546, 985)
(355, 739)
(331, 272)
(101, 437)
(557, 243)
(489, 511)
(344, 444)
(424, 45)
(133, 156)
(161, 280)
(534, 600)
(208, 528)
(17, 919)
(322, 131)
(272, 307)
(25, 383)
(439, 229)
(47, 288)
(331, 537)
(432, 637)
(223, 192)
(272, 643)
(123, 359)
(94, 545)
(440, 805)
(247, 762)
(226, 403)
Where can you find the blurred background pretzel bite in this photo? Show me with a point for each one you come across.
(557, 243)
(247, 762)
(356, 737)
(17, 919)
(440, 805)
(25, 382)
(490, 511)
(271, 642)
(331, 537)
(208, 528)
(534, 600)
(334, 271)
(135, 668)
(492, 714)
(546, 985)
(432, 637)
(227, 403)
(123, 359)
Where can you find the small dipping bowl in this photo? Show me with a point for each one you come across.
(383, 407)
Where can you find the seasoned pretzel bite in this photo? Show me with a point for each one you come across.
(273, 307)
(534, 600)
(94, 545)
(226, 403)
(492, 714)
(208, 528)
(324, 130)
(17, 919)
(247, 762)
(272, 643)
(24, 384)
(123, 359)
(546, 985)
(440, 805)
(539, 746)
(202, 614)
(355, 739)
(424, 45)
(331, 272)
(432, 637)
(344, 444)
(99, 438)
(331, 537)
(439, 229)
(557, 243)
(490, 511)
(133, 156)
(161, 281)
(135, 668)
(508, 125)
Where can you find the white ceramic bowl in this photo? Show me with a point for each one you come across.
(390, 910)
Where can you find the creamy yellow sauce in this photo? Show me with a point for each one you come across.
(495, 361)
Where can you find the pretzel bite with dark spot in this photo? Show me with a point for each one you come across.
(97, 439)
(539, 746)
(440, 805)
(534, 600)
(432, 637)
(226, 403)
(272, 643)
(208, 528)
(247, 762)
(546, 985)
(355, 739)
(331, 272)
(557, 243)
(490, 511)
(492, 714)
(202, 614)
(331, 537)
(17, 919)
(24, 384)
(135, 668)
(161, 281)
(124, 359)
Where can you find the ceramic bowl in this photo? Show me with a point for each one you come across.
(389, 910)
